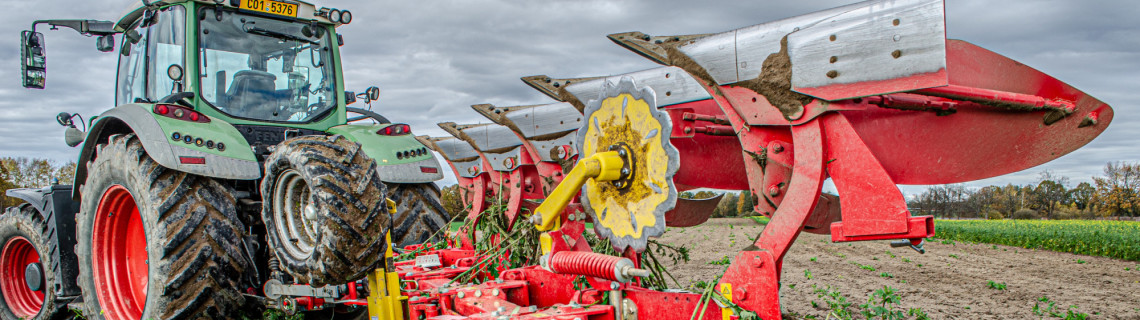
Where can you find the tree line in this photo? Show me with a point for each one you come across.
(1116, 193)
(31, 173)
(731, 204)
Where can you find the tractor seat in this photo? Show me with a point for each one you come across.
(252, 94)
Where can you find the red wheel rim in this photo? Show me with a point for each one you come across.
(118, 256)
(14, 259)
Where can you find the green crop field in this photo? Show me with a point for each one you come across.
(1113, 239)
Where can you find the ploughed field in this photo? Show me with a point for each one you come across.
(955, 279)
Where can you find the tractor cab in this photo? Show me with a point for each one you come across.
(283, 72)
(249, 61)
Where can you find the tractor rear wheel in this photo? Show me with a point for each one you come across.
(155, 243)
(324, 209)
(26, 280)
(419, 215)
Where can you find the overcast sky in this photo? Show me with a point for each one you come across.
(433, 59)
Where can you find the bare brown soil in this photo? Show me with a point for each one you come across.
(950, 281)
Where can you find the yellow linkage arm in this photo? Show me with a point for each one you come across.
(603, 166)
(385, 301)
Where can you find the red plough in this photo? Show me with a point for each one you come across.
(477, 180)
(870, 95)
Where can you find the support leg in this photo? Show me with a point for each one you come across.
(754, 274)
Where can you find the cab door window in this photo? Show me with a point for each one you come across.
(132, 67)
(167, 45)
(159, 43)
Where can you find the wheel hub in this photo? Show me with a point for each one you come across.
(15, 284)
(34, 276)
(293, 215)
(119, 256)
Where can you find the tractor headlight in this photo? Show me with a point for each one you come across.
(346, 17)
(334, 15)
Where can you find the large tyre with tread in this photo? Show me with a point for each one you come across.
(324, 209)
(24, 240)
(419, 215)
(156, 243)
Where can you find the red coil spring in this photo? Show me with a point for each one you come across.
(584, 263)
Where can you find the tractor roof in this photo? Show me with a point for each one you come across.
(306, 11)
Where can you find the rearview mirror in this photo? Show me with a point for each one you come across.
(105, 43)
(34, 60)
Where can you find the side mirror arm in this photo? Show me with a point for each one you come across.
(85, 27)
(178, 98)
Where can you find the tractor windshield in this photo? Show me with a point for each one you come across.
(265, 69)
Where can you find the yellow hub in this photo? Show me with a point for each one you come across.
(628, 211)
(626, 169)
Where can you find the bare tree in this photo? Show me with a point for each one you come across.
(1049, 192)
(945, 201)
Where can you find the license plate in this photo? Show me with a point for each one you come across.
(270, 6)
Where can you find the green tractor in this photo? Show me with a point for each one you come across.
(231, 172)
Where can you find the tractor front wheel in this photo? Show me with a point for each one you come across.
(26, 278)
(419, 215)
(155, 243)
(324, 209)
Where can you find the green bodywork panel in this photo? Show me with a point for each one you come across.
(217, 131)
(380, 147)
(154, 132)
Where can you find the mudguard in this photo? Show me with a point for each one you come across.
(420, 167)
(56, 207)
(236, 162)
(33, 196)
